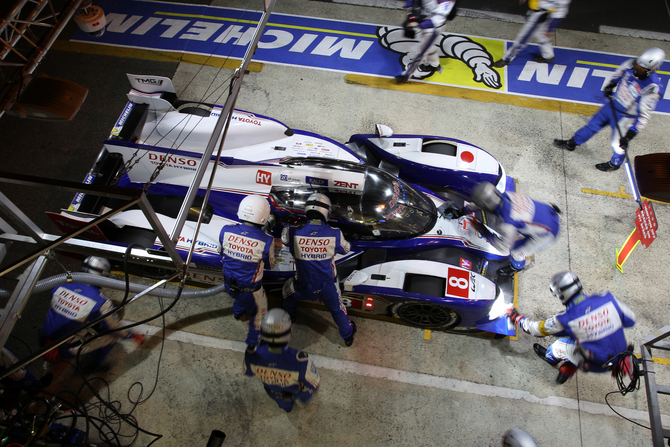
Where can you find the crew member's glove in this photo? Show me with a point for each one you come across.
(411, 22)
(609, 89)
(623, 142)
(514, 316)
(410, 30)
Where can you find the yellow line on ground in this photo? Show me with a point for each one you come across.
(276, 25)
(621, 194)
(472, 94)
(600, 64)
(426, 334)
(161, 56)
(516, 306)
(658, 360)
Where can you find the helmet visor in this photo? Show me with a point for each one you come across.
(640, 72)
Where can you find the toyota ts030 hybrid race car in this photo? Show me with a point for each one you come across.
(412, 258)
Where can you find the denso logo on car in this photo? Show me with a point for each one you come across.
(458, 283)
(171, 159)
(263, 177)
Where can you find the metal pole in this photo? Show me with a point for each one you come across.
(17, 302)
(226, 115)
(629, 170)
(652, 398)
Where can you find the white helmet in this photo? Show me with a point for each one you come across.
(320, 203)
(648, 62)
(518, 438)
(276, 327)
(486, 196)
(254, 209)
(565, 286)
(96, 265)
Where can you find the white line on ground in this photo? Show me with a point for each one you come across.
(633, 33)
(413, 378)
(395, 4)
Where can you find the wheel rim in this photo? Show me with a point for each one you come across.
(427, 315)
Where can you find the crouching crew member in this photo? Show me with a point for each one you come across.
(287, 374)
(246, 249)
(72, 306)
(592, 327)
(314, 246)
(524, 226)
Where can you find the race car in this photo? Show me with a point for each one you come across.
(395, 198)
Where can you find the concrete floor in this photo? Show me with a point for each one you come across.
(399, 385)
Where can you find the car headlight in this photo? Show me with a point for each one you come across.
(499, 306)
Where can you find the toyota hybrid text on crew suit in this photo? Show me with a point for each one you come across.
(287, 374)
(314, 246)
(246, 249)
(73, 305)
(592, 326)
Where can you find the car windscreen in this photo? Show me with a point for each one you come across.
(383, 207)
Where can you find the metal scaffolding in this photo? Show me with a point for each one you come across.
(23, 230)
(655, 341)
(28, 29)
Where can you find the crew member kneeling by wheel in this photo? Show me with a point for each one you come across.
(592, 326)
(314, 246)
(287, 374)
(246, 249)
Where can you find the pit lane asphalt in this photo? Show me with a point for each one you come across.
(598, 16)
(393, 386)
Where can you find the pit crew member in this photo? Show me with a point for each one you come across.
(591, 328)
(287, 374)
(246, 249)
(72, 306)
(314, 246)
(425, 23)
(542, 19)
(523, 226)
(636, 96)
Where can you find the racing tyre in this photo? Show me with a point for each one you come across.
(426, 315)
(194, 108)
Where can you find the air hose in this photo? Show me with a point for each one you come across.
(111, 283)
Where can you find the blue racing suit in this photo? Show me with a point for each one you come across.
(313, 247)
(634, 100)
(542, 18)
(593, 329)
(433, 19)
(537, 222)
(287, 374)
(73, 305)
(246, 249)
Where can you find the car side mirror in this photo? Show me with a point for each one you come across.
(383, 131)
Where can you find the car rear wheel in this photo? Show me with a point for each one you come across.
(426, 315)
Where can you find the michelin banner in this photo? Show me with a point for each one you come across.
(349, 47)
